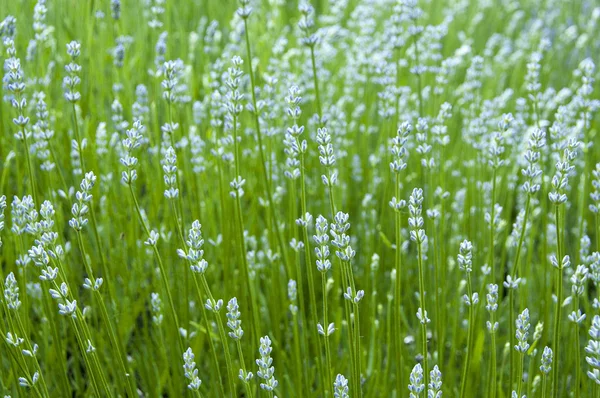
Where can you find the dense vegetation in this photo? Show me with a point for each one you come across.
(378, 198)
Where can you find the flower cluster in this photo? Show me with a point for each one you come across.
(593, 350)
(72, 81)
(265, 365)
(340, 240)
(522, 332)
(532, 156)
(564, 168)
(190, 370)
(415, 221)
(195, 252)
(233, 319)
(416, 385)
(321, 240)
(169, 166)
(492, 306)
(132, 142)
(81, 208)
(326, 157)
(307, 24)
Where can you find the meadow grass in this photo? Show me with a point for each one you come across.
(334, 198)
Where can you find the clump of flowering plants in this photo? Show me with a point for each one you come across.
(368, 198)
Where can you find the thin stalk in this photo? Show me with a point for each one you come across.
(347, 281)
(211, 344)
(103, 263)
(577, 354)
(329, 365)
(163, 348)
(179, 215)
(514, 272)
(59, 347)
(263, 163)
(28, 157)
(20, 246)
(424, 323)
(309, 268)
(14, 357)
(521, 363)
(419, 89)
(30, 348)
(559, 299)
(358, 349)
(493, 376)
(243, 365)
(398, 292)
(544, 382)
(179, 227)
(161, 267)
(530, 372)
(436, 289)
(598, 232)
(24, 371)
(302, 383)
(316, 83)
(89, 366)
(463, 384)
(78, 138)
(252, 303)
(60, 173)
(129, 383)
(492, 231)
(383, 386)
(246, 269)
(223, 337)
(105, 269)
(30, 169)
(346, 284)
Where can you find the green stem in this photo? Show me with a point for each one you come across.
(577, 354)
(125, 373)
(161, 267)
(316, 83)
(78, 138)
(28, 157)
(30, 169)
(493, 376)
(243, 365)
(544, 382)
(252, 303)
(419, 89)
(30, 348)
(559, 299)
(520, 374)
(309, 267)
(514, 272)
(358, 349)
(329, 366)
(346, 283)
(260, 148)
(422, 302)
(302, 383)
(211, 344)
(398, 292)
(463, 384)
(492, 232)
(85, 359)
(223, 337)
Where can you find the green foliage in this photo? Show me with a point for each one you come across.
(380, 198)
